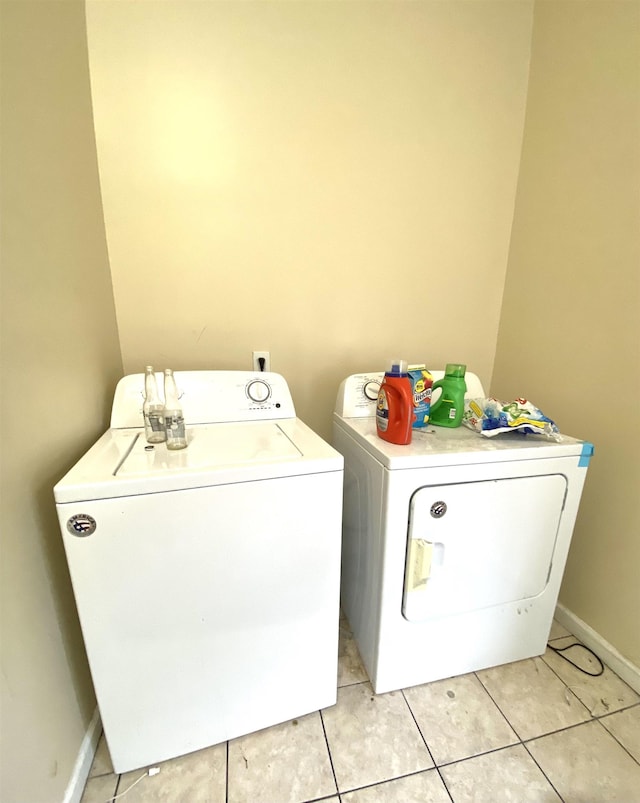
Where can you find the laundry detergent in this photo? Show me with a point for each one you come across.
(448, 409)
(394, 411)
(421, 384)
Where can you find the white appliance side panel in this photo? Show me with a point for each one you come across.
(492, 545)
(362, 545)
(208, 613)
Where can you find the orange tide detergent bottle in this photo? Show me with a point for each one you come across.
(394, 413)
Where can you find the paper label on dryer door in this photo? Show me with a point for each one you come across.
(419, 564)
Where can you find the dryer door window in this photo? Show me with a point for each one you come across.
(479, 544)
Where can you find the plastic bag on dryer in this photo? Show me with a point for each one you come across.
(492, 417)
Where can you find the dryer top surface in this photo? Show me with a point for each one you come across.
(442, 446)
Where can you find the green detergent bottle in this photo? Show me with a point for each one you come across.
(448, 410)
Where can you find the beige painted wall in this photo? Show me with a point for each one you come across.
(60, 361)
(570, 327)
(332, 182)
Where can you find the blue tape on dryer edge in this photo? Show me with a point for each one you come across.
(585, 455)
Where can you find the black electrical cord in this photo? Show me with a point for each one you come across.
(560, 650)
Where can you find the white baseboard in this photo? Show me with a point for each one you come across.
(607, 653)
(87, 751)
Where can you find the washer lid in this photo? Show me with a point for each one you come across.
(443, 446)
(121, 464)
(211, 448)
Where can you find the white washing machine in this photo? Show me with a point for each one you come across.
(453, 546)
(206, 580)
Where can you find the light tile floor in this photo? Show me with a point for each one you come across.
(535, 730)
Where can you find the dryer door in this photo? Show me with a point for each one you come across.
(478, 544)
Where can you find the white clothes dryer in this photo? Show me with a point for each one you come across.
(454, 546)
(206, 580)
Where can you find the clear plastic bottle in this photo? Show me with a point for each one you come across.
(173, 416)
(153, 409)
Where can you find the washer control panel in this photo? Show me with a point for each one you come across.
(210, 397)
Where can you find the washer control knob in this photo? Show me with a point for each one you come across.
(371, 390)
(258, 391)
(438, 509)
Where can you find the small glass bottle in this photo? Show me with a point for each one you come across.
(173, 417)
(153, 409)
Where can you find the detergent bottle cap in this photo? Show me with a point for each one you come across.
(397, 367)
(455, 369)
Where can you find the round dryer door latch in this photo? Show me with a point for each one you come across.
(438, 509)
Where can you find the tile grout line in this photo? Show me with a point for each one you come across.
(560, 730)
(226, 777)
(506, 718)
(530, 754)
(580, 724)
(116, 791)
(594, 717)
(615, 738)
(386, 781)
(541, 735)
(435, 765)
(520, 740)
(326, 740)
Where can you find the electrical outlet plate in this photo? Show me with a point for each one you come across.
(257, 357)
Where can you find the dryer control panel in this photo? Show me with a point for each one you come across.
(358, 393)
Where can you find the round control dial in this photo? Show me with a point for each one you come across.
(371, 390)
(258, 391)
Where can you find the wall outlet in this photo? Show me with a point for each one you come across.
(261, 361)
